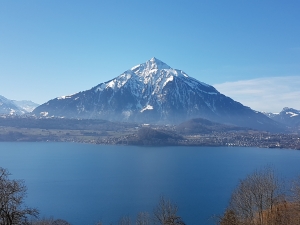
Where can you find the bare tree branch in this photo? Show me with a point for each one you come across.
(12, 194)
(166, 213)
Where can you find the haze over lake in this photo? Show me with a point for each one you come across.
(85, 183)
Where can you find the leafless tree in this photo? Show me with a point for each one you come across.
(143, 218)
(50, 221)
(12, 194)
(166, 213)
(99, 223)
(125, 220)
(229, 218)
(256, 199)
(295, 203)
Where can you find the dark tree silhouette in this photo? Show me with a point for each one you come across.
(166, 213)
(12, 194)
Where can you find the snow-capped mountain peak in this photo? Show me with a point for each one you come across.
(153, 92)
(153, 73)
(288, 116)
(290, 112)
(152, 64)
(154, 68)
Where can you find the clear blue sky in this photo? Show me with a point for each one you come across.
(51, 48)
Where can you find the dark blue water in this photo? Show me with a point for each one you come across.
(85, 183)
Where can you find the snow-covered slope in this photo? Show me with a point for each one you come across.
(287, 116)
(12, 107)
(27, 106)
(153, 92)
(8, 107)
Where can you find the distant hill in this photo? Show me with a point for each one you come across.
(153, 92)
(203, 126)
(61, 123)
(153, 137)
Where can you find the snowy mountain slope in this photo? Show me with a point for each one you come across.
(12, 107)
(287, 116)
(270, 115)
(153, 92)
(8, 107)
(27, 106)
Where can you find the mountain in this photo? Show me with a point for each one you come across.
(12, 107)
(153, 92)
(25, 105)
(270, 115)
(8, 107)
(288, 116)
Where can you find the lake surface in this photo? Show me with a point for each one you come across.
(84, 183)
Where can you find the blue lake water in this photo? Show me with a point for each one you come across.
(84, 183)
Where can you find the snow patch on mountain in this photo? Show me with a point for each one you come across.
(148, 107)
(292, 114)
(64, 97)
(44, 114)
(167, 80)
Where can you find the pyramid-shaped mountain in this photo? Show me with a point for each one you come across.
(153, 92)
